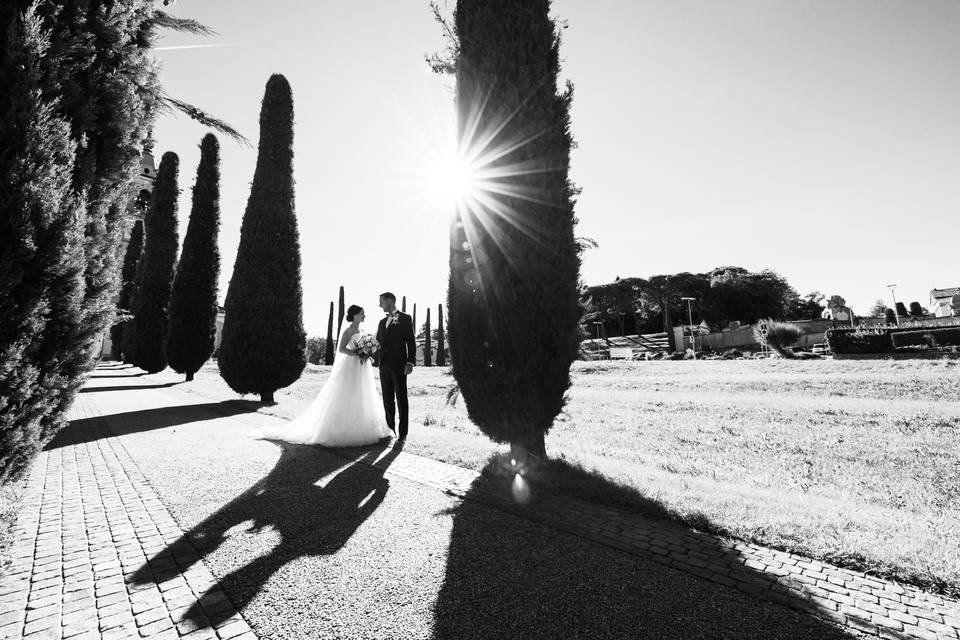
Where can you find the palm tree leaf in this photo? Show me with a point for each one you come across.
(205, 119)
(183, 25)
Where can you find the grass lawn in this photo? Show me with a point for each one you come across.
(852, 462)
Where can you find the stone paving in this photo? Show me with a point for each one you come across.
(90, 520)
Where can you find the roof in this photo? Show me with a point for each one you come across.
(945, 293)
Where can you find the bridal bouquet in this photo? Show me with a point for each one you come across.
(365, 346)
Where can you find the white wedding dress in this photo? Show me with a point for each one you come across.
(348, 411)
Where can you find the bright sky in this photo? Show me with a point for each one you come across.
(817, 138)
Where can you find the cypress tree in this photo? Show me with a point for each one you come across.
(427, 355)
(441, 351)
(263, 342)
(41, 242)
(902, 310)
(889, 316)
(414, 318)
(340, 312)
(328, 352)
(916, 310)
(131, 258)
(148, 327)
(513, 309)
(193, 299)
(403, 305)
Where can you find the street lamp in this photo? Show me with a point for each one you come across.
(693, 344)
(894, 295)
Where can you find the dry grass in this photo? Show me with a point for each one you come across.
(853, 462)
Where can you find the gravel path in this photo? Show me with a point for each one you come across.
(309, 543)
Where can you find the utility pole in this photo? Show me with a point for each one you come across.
(894, 295)
(693, 344)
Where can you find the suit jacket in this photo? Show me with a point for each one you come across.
(397, 343)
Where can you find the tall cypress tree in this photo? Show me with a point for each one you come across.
(329, 351)
(263, 342)
(131, 258)
(513, 302)
(441, 351)
(403, 305)
(41, 241)
(148, 327)
(427, 355)
(193, 300)
(341, 310)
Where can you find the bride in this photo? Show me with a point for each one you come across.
(348, 411)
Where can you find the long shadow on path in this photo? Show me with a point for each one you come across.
(508, 577)
(147, 420)
(311, 514)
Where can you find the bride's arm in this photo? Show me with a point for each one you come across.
(344, 339)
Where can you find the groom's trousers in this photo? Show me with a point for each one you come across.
(393, 384)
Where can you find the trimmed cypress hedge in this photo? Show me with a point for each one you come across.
(193, 300)
(946, 336)
(264, 343)
(148, 327)
(513, 307)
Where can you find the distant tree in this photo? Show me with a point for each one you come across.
(879, 309)
(341, 310)
(131, 258)
(193, 300)
(916, 310)
(329, 351)
(738, 294)
(315, 349)
(263, 342)
(148, 327)
(427, 349)
(414, 317)
(403, 305)
(889, 316)
(441, 350)
(902, 310)
(808, 307)
(513, 311)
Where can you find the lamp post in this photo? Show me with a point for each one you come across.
(693, 344)
(896, 313)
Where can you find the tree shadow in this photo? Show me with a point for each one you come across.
(311, 518)
(129, 387)
(126, 375)
(511, 577)
(88, 429)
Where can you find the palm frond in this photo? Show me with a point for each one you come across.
(184, 25)
(453, 394)
(205, 119)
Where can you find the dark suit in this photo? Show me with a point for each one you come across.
(397, 348)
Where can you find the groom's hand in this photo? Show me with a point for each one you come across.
(409, 368)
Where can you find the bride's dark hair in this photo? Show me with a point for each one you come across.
(353, 310)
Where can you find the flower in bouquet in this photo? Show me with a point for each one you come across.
(365, 346)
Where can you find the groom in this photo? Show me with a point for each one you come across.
(398, 352)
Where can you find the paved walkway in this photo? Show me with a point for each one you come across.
(92, 523)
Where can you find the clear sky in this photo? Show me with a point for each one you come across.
(817, 138)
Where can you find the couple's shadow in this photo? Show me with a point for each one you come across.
(314, 500)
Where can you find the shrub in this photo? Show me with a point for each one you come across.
(780, 336)
(916, 310)
(263, 343)
(889, 316)
(315, 349)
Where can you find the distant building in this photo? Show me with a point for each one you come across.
(945, 302)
